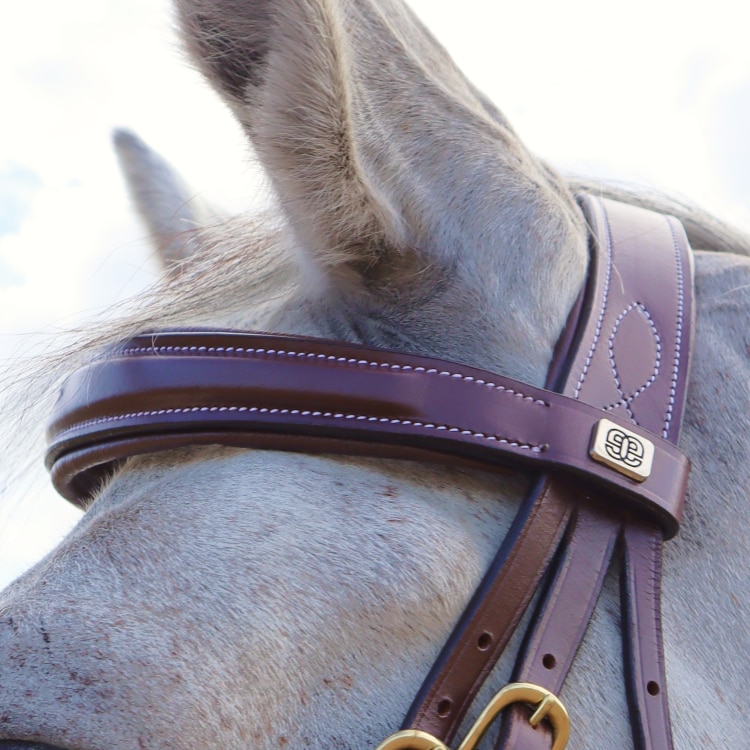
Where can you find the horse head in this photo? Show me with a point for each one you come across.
(220, 597)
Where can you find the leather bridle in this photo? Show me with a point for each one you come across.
(610, 483)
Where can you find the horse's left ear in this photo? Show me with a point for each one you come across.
(171, 211)
(384, 158)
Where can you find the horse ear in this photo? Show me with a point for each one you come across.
(171, 211)
(375, 143)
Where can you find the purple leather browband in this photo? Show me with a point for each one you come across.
(161, 389)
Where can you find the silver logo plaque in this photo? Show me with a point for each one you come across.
(622, 450)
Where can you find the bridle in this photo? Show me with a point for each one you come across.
(609, 483)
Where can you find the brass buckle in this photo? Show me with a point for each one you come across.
(548, 706)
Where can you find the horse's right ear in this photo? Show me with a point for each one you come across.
(385, 159)
(171, 211)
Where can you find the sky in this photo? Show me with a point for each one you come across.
(652, 92)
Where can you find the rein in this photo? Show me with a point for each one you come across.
(602, 436)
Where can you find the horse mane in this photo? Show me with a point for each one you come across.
(245, 270)
(704, 230)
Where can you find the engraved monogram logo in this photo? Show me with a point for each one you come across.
(623, 447)
(622, 450)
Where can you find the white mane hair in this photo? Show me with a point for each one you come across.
(234, 272)
(223, 598)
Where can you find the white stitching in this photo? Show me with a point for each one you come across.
(678, 332)
(602, 311)
(249, 351)
(534, 448)
(627, 400)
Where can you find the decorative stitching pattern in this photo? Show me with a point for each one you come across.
(533, 447)
(602, 311)
(627, 400)
(250, 351)
(678, 332)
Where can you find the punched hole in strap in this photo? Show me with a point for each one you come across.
(484, 641)
(444, 708)
(653, 688)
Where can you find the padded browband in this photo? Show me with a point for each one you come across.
(166, 389)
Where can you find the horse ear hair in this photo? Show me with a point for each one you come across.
(374, 141)
(171, 211)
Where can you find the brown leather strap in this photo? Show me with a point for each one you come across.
(487, 624)
(641, 572)
(633, 359)
(561, 619)
(483, 632)
(642, 638)
(565, 613)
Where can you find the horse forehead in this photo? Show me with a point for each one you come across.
(240, 485)
(247, 519)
